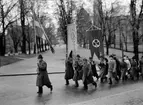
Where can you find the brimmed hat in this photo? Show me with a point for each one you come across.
(111, 56)
(40, 56)
(84, 59)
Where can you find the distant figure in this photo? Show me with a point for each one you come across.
(69, 72)
(87, 75)
(102, 67)
(127, 60)
(118, 68)
(42, 76)
(78, 70)
(93, 68)
(111, 69)
(134, 71)
(123, 65)
(106, 68)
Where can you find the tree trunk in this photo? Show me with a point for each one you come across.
(29, 47)
(16, 48)
(42, 45)
(84, 43)
(34, 48)
(136, 43)
(45, 45)
(23, 41)
(107, 49)
(22, 17)
(126, 48)
(1, 44)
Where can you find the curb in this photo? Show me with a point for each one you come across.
(8, 75)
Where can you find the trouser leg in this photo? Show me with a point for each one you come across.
(94, 83)
(110, 81)
(85, 85)
(115, 76)
(67, 82)
(119, 75)
(50, 86)
(76, 83)
(96, 75)
(40, 89)
(101, 80)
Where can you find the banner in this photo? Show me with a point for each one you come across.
(95, 43)
(40, 30)
(72, 39)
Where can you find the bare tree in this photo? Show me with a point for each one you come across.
(107, 21)
(65, 17)
(22, 18)
(6, 19)
(135, 24)
(15, 33)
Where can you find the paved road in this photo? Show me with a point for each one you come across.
(21, 90)
(55, 64)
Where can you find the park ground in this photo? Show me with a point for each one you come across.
(19, 89)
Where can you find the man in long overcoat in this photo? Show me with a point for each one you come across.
(87, 75)
(42, 76)
(111, 69)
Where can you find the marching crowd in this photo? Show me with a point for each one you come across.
(85, 69)
(111, 69)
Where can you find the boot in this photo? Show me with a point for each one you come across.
(85, 87)
(101, 81)
(40, 90)
(51, 88)
(67, 82)
(76, 84)
(110, 81)
(95, 84)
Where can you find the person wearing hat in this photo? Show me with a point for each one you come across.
(78, 70)
(69, 72)
(42, 76)
(112, 68)
(93, 68)
(123, 66)
(133, 70)
(102, 67)
(117, 74)
(87, 74)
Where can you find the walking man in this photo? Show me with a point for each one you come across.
(42, 76)
(87, 75)
(112, 68)
(93, 68)
(78, 70)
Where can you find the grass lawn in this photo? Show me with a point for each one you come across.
(25, 56)
(8, 60)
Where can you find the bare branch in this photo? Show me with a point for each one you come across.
(9, 9)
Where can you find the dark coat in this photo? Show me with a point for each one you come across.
(102, 67)
(69, 72)
(93, 67)
(87, 74)
(78, 71)
(42, 77)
